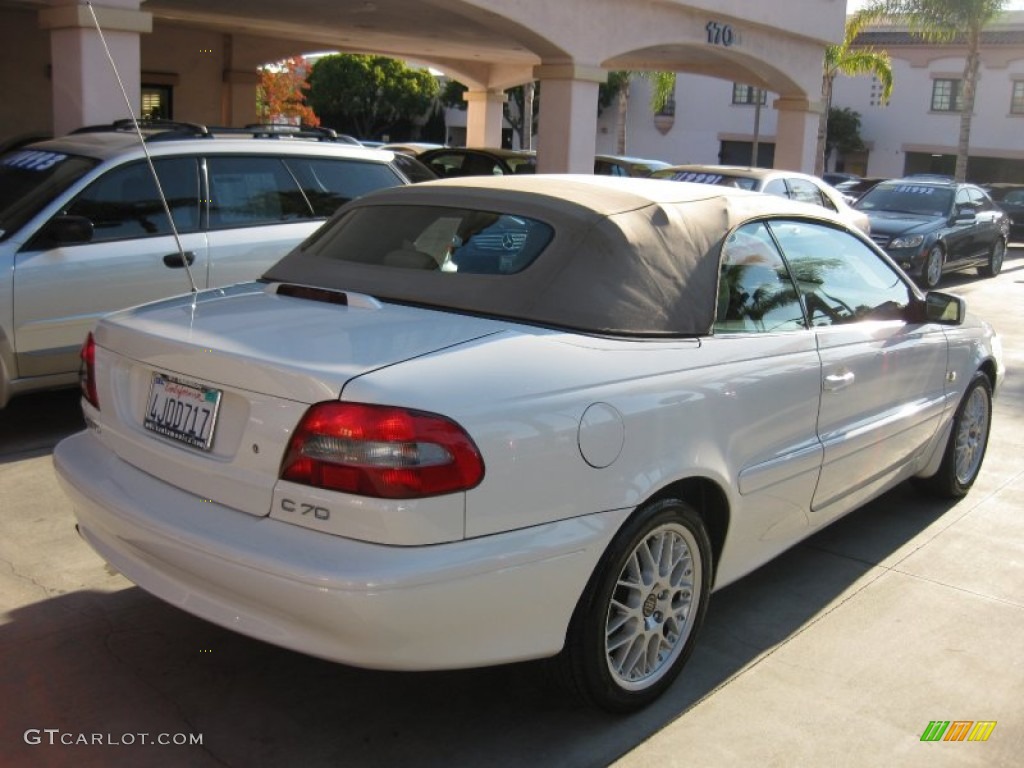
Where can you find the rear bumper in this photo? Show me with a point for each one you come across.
(490, 600)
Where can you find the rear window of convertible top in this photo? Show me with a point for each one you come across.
(449, 240)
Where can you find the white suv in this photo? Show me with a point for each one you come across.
(83, 230)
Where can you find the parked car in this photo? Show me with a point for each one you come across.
(620, 165)
(83, 230)
(414, 148)
(1010, 198)
(853, 189)
(485, 420)
(931, 226)
(450, 162)
(791, 184)
(836, 177)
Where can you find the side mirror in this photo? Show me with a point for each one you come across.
(66, 230)
(944, 308)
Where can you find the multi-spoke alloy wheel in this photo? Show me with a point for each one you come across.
(932, 272)
(638, 619)
(965, 449)
(971, 435)
(651, 612)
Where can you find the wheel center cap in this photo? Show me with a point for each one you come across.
(650, 604)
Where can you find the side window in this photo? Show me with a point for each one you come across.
(755, 292)
(962, 198)
(980, 200)
(776, 187)
(248, 191)
(804, 191)
(124, 203)
(841, 280)
(329, 183)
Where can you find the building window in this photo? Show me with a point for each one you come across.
(946, 95)
(156, 102)
(1017, 98)
(744, 94)
(669, 110)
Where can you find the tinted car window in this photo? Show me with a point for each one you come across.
(414, 170)
(247, 191)
(125, 202)
(29, 179)
(328, 183)
(450, 240)
(755, 292)
(980, 200)
(805, 192)
(840, 278)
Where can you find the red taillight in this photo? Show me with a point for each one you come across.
(381, 451)
(87, 371)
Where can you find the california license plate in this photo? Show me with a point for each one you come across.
(182, 411)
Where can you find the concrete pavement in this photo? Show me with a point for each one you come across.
(838, 653)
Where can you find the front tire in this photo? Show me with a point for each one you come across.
(995, 259)
(639, 617)
(931, 272)
(968, 440)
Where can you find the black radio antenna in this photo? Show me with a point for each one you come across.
(145, 150)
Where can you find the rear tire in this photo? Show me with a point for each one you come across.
(995, 259)
(638, 620)
(968, 440)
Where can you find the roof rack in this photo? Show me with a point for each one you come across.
(169, 129)
(166, 130)
(275, 130)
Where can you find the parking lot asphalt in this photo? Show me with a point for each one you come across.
(840, 652)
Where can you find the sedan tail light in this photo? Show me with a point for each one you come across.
(87, 371)
(381, 451)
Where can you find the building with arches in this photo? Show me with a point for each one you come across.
(202, 57)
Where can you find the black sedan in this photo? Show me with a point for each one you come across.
(930, 227)
(1010, 197)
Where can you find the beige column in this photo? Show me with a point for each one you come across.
(484, 118)
(567, 134)
(84, 87)
(796, 133)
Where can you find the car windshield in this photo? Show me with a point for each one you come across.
(29, 179)
(923, 199)
(706, 177)
(449, 240)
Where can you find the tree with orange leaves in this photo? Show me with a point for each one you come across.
(281, 93)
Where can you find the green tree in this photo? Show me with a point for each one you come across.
(845, 59)
(663, 87)
(947, 21)
(369, 95)
(843, 132)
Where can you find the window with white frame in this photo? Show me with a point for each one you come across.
(747, 94)
(947, 95)
(1017, 98)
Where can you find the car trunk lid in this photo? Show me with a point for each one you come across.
(259, 360)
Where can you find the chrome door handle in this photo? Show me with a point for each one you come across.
(837, 381)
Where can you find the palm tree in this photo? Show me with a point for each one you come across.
(946, 21)
(844, 59)
(663, 86)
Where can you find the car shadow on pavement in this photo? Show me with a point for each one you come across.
(33, 424)
(121, 663)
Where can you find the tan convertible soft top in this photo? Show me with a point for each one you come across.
(629, 256)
